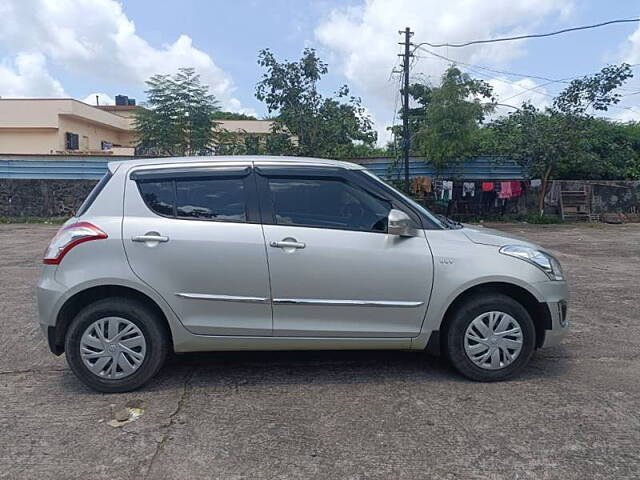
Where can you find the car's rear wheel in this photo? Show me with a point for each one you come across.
(490, 337)
(116, 344)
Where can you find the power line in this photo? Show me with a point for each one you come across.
(502, 72)
(533, 35)
(472, 68)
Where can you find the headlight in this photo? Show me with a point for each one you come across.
(547, 263)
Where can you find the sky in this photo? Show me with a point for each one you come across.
(80, 48)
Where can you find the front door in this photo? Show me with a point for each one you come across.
(193, 236)
(334, 270)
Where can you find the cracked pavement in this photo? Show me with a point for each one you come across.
(573, 413)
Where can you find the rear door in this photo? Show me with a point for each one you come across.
(335, 272)
(193, 235)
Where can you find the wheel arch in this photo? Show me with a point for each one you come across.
(79, 300)
(539, 311)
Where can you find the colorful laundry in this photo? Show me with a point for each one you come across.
(421, 185)
(505, 190)
(516, 189)
(487, 186)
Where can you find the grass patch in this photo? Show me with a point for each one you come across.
(43, 220)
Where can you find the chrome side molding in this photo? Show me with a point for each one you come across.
(346, 303)
(302, 301)
(223, 298)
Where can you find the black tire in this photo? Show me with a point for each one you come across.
(152, 328)
(465, 314)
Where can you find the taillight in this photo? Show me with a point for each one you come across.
(67, 238)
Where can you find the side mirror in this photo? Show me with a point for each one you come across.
(399, 223)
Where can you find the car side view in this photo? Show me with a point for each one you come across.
(277, 253)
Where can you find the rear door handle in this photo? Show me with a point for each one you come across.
(288, 244)
(150, 237)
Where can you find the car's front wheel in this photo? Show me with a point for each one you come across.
(490, 337)
(116, 344)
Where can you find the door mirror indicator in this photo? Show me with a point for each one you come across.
(399, 223)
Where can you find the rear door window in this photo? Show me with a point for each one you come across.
(159, 196)
(214, 198)
(221, 199)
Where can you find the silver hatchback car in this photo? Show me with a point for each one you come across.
(262, 253)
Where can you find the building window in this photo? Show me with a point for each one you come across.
(73, 141)
(106, 145)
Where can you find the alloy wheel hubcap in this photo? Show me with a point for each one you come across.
(493, 340)
(113, 347)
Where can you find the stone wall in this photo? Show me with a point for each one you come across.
(61, 198)
(42, 198)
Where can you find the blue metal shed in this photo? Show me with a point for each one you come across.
(70, 167)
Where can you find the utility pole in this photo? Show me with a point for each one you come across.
(405, 102)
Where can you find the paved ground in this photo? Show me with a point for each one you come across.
(575, 413)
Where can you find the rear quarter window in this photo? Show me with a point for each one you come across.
(94, 194)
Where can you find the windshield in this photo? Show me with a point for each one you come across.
(409, 200)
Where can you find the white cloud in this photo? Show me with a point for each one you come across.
(364, 39)
(27, 76)
(103, 99)
(96, 38)
(625, 114)
(631, 48)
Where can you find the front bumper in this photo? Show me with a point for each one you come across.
(556, 299)
(559, 323)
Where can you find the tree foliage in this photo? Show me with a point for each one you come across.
(335, 127)
(452, 114)
(597, 92)
(566, 138)
(225, 115)
(178, 117)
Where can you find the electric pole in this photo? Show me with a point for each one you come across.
(405, 102)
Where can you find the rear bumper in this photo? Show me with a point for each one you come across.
(49, 293)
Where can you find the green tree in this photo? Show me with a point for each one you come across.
(178, 117)
(224, 115)
(550, 141)
(454, 112)
(446, 119)
(334, 127)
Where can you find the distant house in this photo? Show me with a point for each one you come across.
(64, 126)
(61, 126)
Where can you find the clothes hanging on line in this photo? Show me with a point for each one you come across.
(516, 188)
(487, 186)
(536, 182)
(469, 188)
(421, 185)
(505, 190)
(447, 190)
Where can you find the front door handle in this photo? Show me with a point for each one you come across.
(288, 243)
(150, 237)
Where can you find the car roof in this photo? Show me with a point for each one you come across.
(226, 159)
